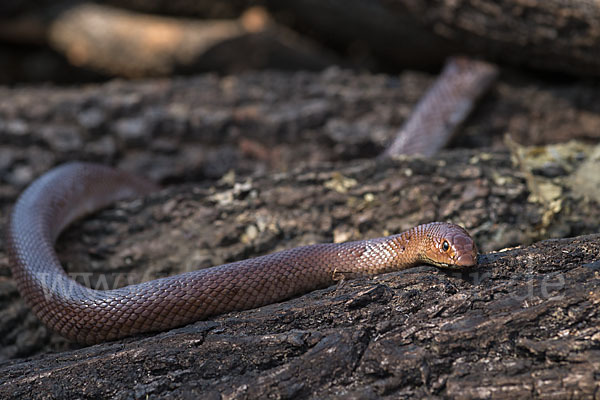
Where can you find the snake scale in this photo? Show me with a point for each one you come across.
(85, 315)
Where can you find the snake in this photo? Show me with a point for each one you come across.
(444, 107)
(85, 315)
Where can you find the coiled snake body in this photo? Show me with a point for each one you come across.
(89, 316)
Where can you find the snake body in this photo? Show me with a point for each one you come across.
(86, 315)
(444, 107)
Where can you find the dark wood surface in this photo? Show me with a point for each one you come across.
(301, 145)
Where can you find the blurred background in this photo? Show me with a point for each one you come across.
(73, 41)
(192, 90)
(77, 41)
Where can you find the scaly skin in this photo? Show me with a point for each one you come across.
(445, 106)
(90, 316)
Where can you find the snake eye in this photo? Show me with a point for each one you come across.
(445, 245)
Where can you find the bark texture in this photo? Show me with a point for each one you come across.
(524, 324)
(552, 35)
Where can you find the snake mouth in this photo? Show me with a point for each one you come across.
(462, 262)
(467, 260)
(442, 265)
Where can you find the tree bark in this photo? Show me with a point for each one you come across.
(524, 323)
(554, 35)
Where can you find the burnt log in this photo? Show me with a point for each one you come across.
(522, 324)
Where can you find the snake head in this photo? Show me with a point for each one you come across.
(449, 246)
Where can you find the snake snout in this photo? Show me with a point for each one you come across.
(466, 252)
(465, 249)
(466, 260)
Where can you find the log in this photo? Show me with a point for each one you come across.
(541, 35)
(116, 42)
(550, 35)
(523, 324)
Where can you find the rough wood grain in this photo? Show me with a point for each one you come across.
(552, 35)
(524, 324)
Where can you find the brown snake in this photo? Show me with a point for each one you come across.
(445, 105)
(86, 315)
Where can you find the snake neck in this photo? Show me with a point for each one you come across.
(414, 242)
(385, 254)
